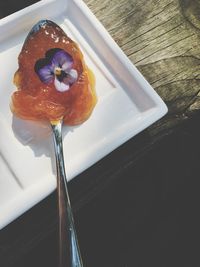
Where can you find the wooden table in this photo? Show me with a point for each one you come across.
(162, 39)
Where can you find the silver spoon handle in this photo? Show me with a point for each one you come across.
(69, 252)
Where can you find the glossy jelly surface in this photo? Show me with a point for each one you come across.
(37, 96)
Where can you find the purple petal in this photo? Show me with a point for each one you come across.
(71, 78)
(60, 86)
(62, 59)
(46, 73)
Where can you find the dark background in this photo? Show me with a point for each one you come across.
(147, 215)
(8, 7)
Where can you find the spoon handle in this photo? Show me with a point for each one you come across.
(69, 252)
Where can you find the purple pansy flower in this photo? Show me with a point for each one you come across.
(57, 67)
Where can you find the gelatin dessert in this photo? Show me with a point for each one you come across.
(53, 82)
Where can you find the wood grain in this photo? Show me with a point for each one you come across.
(162, 38)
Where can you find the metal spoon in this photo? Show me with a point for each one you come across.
(69, 252)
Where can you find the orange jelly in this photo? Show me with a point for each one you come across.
(53, 80)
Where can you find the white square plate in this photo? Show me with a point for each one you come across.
(127, 104)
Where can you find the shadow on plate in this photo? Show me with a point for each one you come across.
(38, 136)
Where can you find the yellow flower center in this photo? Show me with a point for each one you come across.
(57, 71)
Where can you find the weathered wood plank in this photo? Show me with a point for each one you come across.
(162, 38)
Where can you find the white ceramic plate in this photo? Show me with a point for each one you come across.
(127, 104)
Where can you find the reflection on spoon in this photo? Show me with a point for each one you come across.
(68, 243)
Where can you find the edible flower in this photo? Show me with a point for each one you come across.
(57, 67)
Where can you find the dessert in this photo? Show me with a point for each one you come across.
(53, 82)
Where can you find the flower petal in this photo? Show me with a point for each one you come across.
(62, 59)
(71, 77)
(45, 73)
(60, 86)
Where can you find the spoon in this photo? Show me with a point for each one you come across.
(69, 252)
